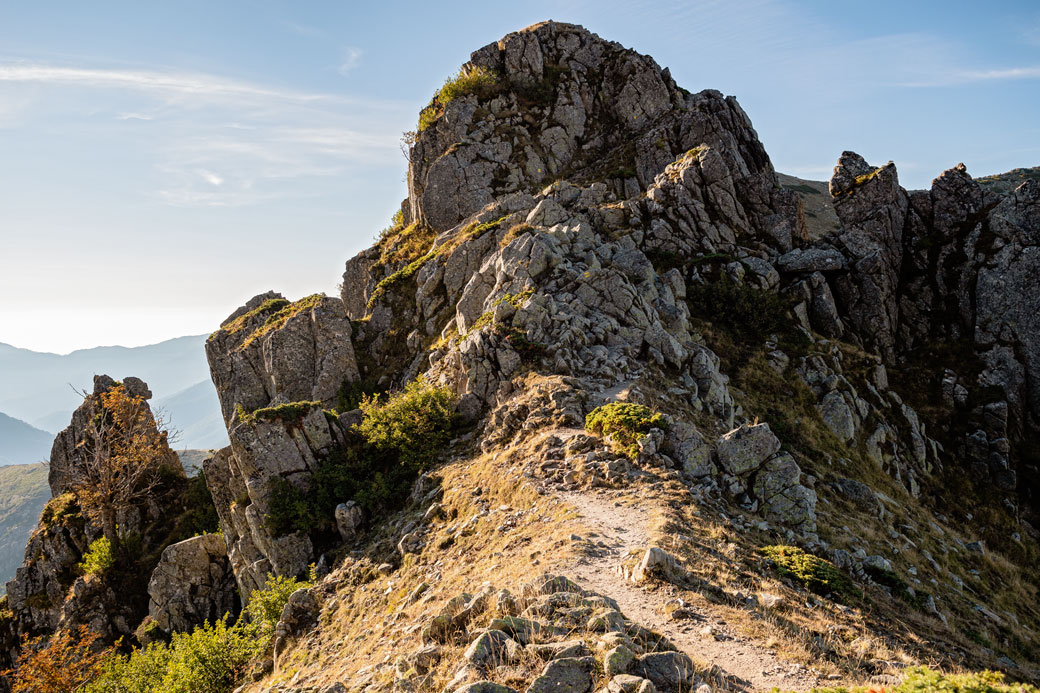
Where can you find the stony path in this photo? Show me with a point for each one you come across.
(748, 665)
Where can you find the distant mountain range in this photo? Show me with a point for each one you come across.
(41, 390)
(21, 443)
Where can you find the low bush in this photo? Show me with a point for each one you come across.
(400, 435)
(750, 314)
(896, 585)
(925, 680)
(99, 558)
(414, 424)
(811, 572)
(210, 659)
(265, 605)
(626, 424)
(58, 664)
(199, 515)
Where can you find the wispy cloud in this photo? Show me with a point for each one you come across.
(173, 83)
(351, 59)
(240, 167)
(212, 140)
(955, 77)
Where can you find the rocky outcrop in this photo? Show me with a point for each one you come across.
(192, 584)
(50, 593)
(278, 368)
(271, 350)
(951, 264)
(566, 101)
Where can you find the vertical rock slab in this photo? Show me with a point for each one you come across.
(278, 366)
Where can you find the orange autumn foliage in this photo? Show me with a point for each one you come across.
(62, 664)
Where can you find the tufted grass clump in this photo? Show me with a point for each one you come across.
(515, 231)
(625, 423)
(812, 572)
(99, 558)
(925, 680)
(60, 510)
(239, 323)
(400, 275)
(477, 80)
(285, 311)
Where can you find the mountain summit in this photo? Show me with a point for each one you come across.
(595, 413)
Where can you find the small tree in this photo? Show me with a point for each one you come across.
(124, 451)
(64, 663)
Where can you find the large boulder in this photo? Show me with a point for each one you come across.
(745, 448)
(193, 583)
(271, 349)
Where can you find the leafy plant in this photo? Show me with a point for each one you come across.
(750, 314)
(625, 423)
(266, 604)
(209, 659)
(99, 558)
(399, 436)
(415, 424)
(60, 663)
(896, 584)
(811, 572)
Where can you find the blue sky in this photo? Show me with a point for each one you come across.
(160, 163)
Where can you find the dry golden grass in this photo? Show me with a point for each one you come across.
(369, 623)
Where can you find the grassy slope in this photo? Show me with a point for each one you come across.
(23, 493)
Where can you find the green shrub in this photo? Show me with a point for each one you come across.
(200, 515)
(396, 224)
(811, 572)
(897, 585)
(626, 424)
(415, 424)
(265, 605)
(750, 314)
(925, 680)
(400, 436)
(99, 558)
(210, 659)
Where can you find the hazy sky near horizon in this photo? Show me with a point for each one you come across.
(161, 163)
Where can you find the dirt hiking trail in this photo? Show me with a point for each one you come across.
(745, 664)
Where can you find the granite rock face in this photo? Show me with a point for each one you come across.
(952, 263)
(193, 583)
(277, 366)
(49, 592)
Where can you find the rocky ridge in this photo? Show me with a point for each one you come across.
(570, 218)
(582, 232)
